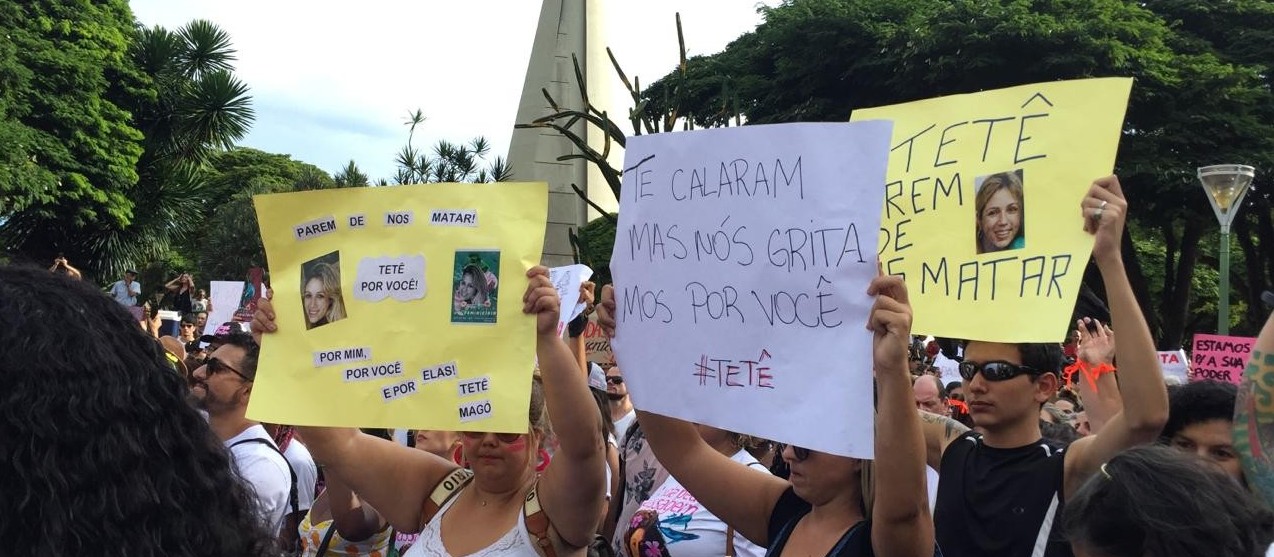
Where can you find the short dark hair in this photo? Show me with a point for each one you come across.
(1154, 500)
(112, 455)
(954, 385)
(1043, 357)
(250, 348)
(1201, 401)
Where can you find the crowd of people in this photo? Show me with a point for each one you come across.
(117, 437)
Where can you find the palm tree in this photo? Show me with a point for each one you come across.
(451, 162)
(195, 108)
(350, 177)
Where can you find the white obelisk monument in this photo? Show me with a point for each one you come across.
(566, 27)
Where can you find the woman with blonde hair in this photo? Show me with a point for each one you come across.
(321, 295)
(1000, 209)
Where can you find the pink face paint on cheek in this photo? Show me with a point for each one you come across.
(516, 446)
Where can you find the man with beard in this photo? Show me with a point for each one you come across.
(621, 407)
(222, 387)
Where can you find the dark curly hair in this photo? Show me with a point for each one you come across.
(1198, 402)
(1153, 500)
(100, 454)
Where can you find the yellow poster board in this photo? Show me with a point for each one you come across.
(400, 306)
(981, 213)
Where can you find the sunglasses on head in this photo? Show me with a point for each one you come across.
(994, 371)
(614, 380)
(505, 438)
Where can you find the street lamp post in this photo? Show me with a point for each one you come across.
(1225, 184)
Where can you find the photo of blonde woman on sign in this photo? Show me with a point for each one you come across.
(999, 209)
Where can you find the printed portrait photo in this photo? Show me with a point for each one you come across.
(1000, 212)
(321, 290)
(475, 286)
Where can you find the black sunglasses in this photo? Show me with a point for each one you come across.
(994, 371)
(216, 366)
(615, 380)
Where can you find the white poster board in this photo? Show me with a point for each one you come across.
(741, 266)
(225, 296)
(567, 281)
(1174, 363)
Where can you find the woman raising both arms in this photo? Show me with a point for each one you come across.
(503, 507)
(832, 505)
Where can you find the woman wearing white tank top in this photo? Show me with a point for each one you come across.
(503, 507)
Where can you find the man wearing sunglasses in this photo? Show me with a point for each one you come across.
(621, 407)
(1003, 486)
(222, 387)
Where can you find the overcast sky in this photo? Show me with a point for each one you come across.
(334, 80)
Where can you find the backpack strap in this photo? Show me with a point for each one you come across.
(327, 540)
(292, 497)
(445, 491)
(537, 522)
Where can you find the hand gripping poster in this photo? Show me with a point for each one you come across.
(400, 306)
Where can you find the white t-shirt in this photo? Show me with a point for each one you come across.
(306, 473)
(622, 424)
(265, 472)
(685, 528)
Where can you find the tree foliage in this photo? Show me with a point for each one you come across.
(180, 105)
(229, 242)
(1202, 96)
(450, 162)
(68, 147)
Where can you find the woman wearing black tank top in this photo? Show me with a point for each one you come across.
(827, 507)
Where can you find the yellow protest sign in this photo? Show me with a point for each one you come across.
(981, 213)
(401, 306)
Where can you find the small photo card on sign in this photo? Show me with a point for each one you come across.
(741, 266)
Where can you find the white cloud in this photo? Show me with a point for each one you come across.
(334, 80)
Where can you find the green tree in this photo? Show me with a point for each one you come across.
(451, 162)
(229, 241)
(188, 106)
(350, 176)
(1202, 93)
(68, 148)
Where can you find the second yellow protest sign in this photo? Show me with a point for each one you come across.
(981, 213)
(401, 306)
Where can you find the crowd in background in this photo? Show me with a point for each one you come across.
(123, 437)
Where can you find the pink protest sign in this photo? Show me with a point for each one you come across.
(1219, 358)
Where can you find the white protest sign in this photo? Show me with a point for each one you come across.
(1175, 364)
(567, 281)
(741, 266)
(225, 296)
